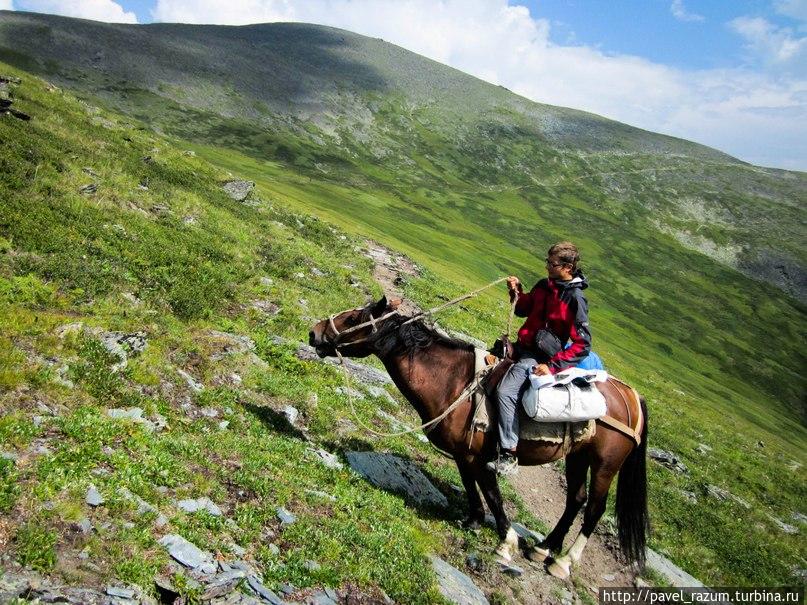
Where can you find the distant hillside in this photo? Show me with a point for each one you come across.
(320, 98)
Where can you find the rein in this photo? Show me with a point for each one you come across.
(421, 314)
(467, 392)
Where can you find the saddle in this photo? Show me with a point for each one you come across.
(485, 409)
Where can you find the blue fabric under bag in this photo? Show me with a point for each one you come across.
(590, 362)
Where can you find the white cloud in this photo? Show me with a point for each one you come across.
(97, 10)
(778, 46)
(6, 5)
(680, 12)
(759, 116)
(797, 9)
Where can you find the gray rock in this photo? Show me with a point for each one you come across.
(316, 272)
(322, 495)
(185, 552)
(85, 526)
(799, 517)
(286, 517)
(784, 527)
(124, 593)
(320, 598)
(209, 412)
(312, 565)
(11, 456)
(233, 344)
(287, 589)
(456, 586)
(238, 190)
(208, 567)
(88, 189)
(380, 392)
(291, 414)
(667, 459)
(358, 371)
(265, 306)
(327, 458)
(392, 473)
(718, 493)
(526, 533)
(263, 592)
(348, 392)
(195, 386)
(511, 570)
(676, 576)
(273, 548)
(702, 448)
(609, 577)
(267, 281)
(237, 550)
(93, 497)
(135, 414)
(191, 505)
(690, 496)
(566, 597)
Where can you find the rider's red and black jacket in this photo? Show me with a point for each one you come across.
(560, 307)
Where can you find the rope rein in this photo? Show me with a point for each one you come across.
(467, 392)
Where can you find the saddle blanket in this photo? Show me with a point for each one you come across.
(569, 396)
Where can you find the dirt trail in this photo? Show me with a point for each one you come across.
(543, 489)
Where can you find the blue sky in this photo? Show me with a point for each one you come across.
(731, 74)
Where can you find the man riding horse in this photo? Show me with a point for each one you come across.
(556, 312)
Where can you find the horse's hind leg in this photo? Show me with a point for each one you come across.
(576, 469)
(490, 490)
(476, 511)
(601, 477)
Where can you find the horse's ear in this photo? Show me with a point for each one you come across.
(380, 307)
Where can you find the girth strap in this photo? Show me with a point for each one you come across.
(621, 427)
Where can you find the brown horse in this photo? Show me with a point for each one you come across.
(432, 370)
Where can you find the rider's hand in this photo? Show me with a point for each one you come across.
(513, 283)
(541, 370)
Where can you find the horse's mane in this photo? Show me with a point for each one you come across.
(396, 337)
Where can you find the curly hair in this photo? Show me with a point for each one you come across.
(567, 253)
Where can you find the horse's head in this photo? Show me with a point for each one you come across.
(349, 330)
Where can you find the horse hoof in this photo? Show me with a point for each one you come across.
(560, 570)
(538, 555)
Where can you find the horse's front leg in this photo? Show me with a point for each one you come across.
(490, 490)
(476, 511)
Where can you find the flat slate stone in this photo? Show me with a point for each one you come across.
(391, 473)
(93, 497)
(124, 593)
(263, 592)
(185, 552)
(286, 517)
(192, 505)
(456, 586)
(328, 459)
(676, 576)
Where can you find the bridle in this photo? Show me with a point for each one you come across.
(337, 334)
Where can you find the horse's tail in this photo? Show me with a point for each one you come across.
(633, 522)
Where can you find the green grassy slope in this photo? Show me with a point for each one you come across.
(194, 259)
